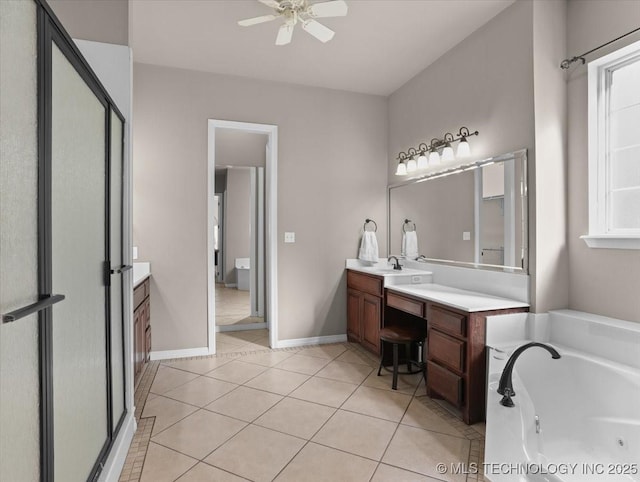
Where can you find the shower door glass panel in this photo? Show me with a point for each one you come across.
(78, 255)
(117, 332)
(19, 370)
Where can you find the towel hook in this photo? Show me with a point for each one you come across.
(408, 221)
(367, 221)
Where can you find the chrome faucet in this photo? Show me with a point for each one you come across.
(505, 387)
(397, 264)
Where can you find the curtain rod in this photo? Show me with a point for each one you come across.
(567, 62)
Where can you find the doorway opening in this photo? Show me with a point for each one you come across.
(242, 236)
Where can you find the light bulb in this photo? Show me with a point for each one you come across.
(402, 169)
(412, 165)
(434, 158)
(447, 153)
(422, 161)
(463, 148)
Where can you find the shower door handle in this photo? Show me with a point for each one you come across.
(39, 305)
(121, 269)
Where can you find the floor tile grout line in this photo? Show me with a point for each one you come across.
(224, 470)
(316, 432)
(441, 412)
(384, 452)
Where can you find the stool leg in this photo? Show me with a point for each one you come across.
(407, 351)
(381, 356)
(394, 385)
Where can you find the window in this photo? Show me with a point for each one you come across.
(614, 150)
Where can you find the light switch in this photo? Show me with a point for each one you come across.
(466, 235)
(289, 237)
(135, 252)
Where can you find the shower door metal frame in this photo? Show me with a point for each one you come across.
(50, 30)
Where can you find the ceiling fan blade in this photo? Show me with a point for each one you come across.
(336, 8)
(318, 30)
(284, 34)
(270, 3)
(256, 20)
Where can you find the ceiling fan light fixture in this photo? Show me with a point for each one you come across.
(319, 31)
(285, 33)
(300, 10)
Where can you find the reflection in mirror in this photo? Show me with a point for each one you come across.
(474, 215)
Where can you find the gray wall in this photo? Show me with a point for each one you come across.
(331, 176)
(602, 281)
(98, 20)
(486, 82)
(548, 171)
(238, 220)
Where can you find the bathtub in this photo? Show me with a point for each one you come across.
(576, 418)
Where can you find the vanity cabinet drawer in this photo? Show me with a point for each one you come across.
(447, 321)
(447, 350)
(405, 304)
(364, 283)
(446, 384)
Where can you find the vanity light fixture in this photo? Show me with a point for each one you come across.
(434, 156)
(423, 163)
(464, 150)
(438, 150)
(412, 165)
(447, 152)
(402, 164)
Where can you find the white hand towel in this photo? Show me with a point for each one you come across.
(369, 247)
(410, 244)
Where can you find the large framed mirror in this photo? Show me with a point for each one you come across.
(472, 215)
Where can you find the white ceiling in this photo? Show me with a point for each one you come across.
(378, 46)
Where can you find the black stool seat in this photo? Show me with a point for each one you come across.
(401, 335)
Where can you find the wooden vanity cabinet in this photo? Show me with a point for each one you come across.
(141, 327)
(364, 309)
(456, 358)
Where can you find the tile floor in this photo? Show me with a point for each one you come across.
(309, 414)
(242, 341)
(233, 307)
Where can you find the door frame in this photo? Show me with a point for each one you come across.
(271, 231)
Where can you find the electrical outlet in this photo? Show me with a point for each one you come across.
(466, 235)
(289, 237)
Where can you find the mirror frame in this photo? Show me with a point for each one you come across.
(518, 155)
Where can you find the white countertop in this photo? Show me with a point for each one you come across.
(141, 271)
(470, 301)
(391, 276)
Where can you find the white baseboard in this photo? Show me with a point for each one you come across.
(231, 285)
(241, 327)
(115, 461)
(186, 353)
(314, 340)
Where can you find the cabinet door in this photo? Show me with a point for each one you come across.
(354, 300)
(371, 316)
(137, 322)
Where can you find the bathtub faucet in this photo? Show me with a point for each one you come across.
(505, 387)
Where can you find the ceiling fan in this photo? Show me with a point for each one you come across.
(294, 11)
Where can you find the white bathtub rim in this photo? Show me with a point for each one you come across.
(509, 348)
